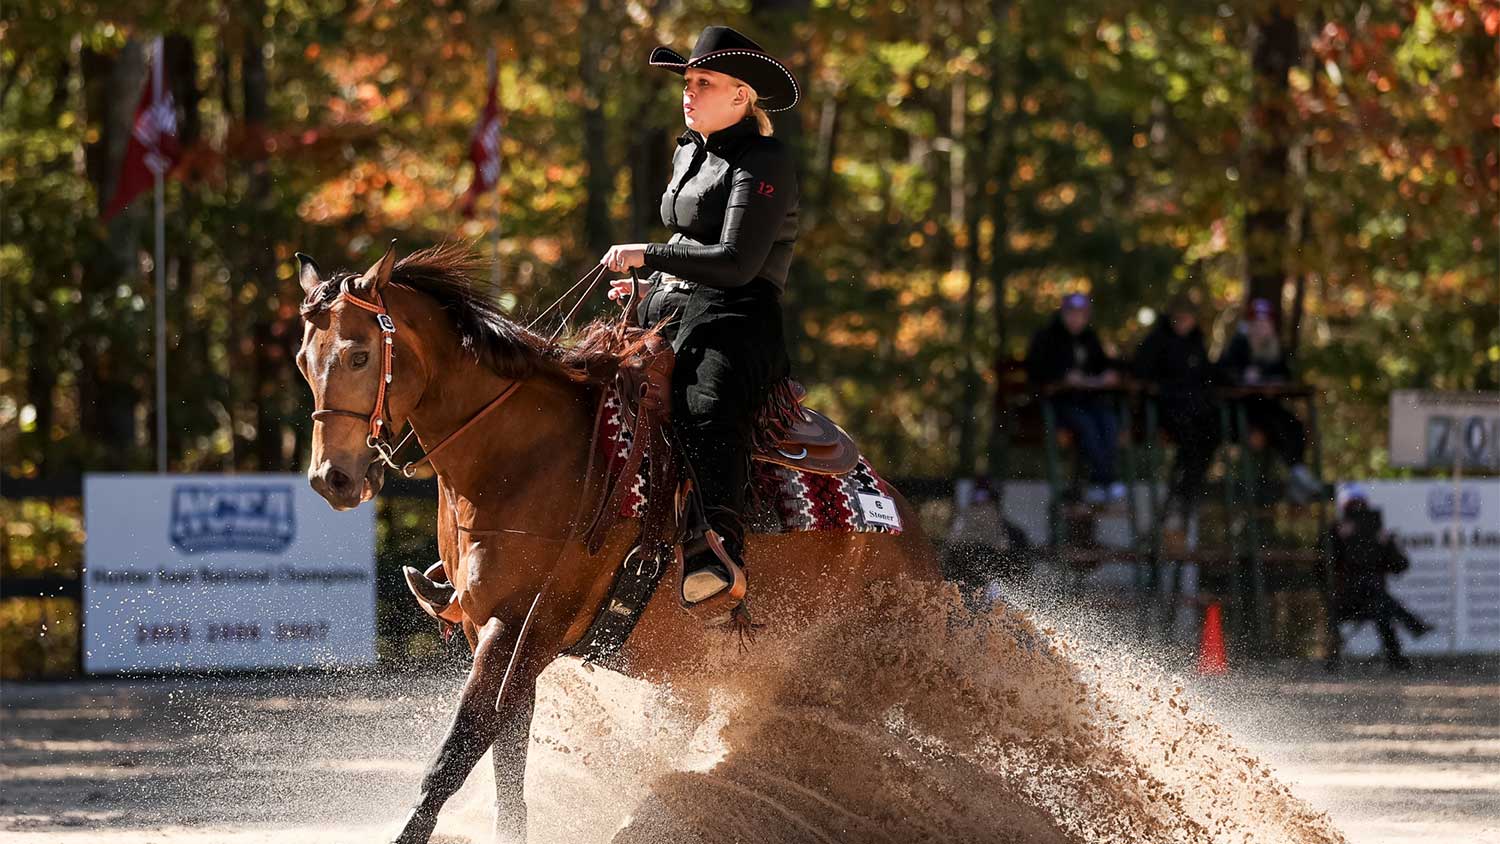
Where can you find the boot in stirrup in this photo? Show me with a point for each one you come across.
(713, 581)
(436, 598)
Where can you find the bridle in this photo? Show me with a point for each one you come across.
(378, 431)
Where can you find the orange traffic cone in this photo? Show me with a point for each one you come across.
(1212, 661)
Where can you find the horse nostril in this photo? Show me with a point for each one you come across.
(338, 481)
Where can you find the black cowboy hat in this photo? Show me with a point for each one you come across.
(721, 49)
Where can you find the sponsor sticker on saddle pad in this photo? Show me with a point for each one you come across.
(880, 510)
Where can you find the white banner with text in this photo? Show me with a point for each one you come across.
(223, 572)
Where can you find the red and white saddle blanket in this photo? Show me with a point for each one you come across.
(784, 500)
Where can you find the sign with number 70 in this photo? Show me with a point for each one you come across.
(1441, 430)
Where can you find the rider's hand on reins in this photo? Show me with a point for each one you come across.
(620, 288)
(624, 256)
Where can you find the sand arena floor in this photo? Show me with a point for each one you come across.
(336, 758)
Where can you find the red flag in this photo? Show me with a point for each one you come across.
(153, 145)
(484, 147)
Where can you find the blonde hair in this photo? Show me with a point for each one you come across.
(762, 120)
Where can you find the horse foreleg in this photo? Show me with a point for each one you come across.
(509, 758)
(517, 700)
(474, 728)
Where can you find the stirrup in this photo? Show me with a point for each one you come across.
(705, 582)
(721, 604)
(439, 600)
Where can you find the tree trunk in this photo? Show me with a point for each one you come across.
(999, 164)
(187, 350)
(46, 336)
(650, 156)
(775, 28)
(107, 390)
(600, 181)
(269, 379)
(234, 358)
(821, 192)
(1480, 57)
(1274, 52)
(966, 259)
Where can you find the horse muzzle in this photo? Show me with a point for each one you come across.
(343, 488)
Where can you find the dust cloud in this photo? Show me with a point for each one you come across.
(904, 719)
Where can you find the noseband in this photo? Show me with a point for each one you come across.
(378, 432)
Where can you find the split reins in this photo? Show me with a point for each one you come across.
(590, 278)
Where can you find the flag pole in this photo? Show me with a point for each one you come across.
(499, 209)
(161, 281)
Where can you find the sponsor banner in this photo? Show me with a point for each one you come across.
(223, 572)
(1451, 532)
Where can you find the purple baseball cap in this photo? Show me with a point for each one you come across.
(1262, 309)
(1075, 302)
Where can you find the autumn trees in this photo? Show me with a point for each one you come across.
(965, 162)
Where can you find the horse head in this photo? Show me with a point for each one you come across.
(369, 369)
(348, 347)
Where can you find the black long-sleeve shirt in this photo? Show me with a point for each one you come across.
(732, 206)
(1177, 364)
(1054, 352)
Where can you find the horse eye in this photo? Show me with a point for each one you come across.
(360, 359)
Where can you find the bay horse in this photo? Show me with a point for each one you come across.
(506, 418)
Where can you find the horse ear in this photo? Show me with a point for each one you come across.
(379, 274)
(308, 274)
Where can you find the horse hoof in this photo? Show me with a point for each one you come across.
(510, 830)
(418, 828)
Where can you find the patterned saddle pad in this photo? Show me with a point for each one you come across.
(785, 500)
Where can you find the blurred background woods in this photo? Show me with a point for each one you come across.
(964, 164)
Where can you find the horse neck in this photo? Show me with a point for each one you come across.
(537, 439)
(532, 444)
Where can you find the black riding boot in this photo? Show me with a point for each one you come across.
(730, 350)
(719, 454)
(721, 472)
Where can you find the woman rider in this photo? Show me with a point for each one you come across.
(716, 284)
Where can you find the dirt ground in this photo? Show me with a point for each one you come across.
(1392, 758)
(336, 757)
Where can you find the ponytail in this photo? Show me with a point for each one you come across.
(762, 120)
